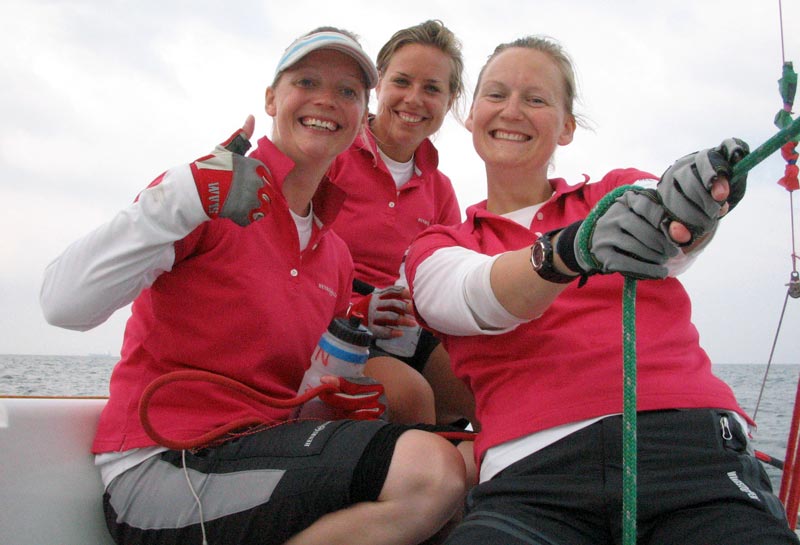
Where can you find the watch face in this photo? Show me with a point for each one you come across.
(537, 255)
(542, 262)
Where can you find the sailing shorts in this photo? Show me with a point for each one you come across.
(260, 488)
(427, 343)
(697, 485)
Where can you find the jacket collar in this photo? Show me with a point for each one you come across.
(328, 198)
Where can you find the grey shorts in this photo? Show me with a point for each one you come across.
(260, 488)
(697, 482)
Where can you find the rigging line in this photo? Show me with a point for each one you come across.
(791, 219)
(780, 18)
(793, 278)
(771, 354)
(794, 252)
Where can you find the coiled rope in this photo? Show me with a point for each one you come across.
(256, 400)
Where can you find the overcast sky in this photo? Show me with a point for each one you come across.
(100, 97)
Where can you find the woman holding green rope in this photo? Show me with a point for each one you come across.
(543, 351)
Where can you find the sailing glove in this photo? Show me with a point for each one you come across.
(231, 185)
(685, 187)
(622, 234)
(355, 398)
(383, 310)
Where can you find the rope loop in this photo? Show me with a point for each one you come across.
(256, 400)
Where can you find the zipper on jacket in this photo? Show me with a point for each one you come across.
(726, 429)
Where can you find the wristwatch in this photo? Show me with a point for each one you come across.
(542, 262)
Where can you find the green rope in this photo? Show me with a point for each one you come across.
(629, 443)
(586, 229)
(785, 135)
(629, 446)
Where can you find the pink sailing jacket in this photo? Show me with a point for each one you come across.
(243, 302)
(377, 221)
(566, 366)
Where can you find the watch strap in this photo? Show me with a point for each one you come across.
(546, 268)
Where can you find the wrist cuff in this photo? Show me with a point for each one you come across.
(565, 247)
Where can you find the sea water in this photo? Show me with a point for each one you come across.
(765, 392)
(55, 375)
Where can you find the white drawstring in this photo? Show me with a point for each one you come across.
(196, 497)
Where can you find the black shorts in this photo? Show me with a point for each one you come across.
(261, 488)
(427, 343)
(697, 485)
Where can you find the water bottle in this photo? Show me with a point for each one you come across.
(342, 351)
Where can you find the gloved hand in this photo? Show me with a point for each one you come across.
(355, 398)
(231, 185)
(622, 234)
(384, 309)
(685, 187)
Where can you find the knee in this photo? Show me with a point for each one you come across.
(430, 476)
(442, 468)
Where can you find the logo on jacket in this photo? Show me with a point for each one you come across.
(743, 487)
(314, 434)
(327, 289)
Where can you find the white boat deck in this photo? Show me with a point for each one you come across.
(50, 491)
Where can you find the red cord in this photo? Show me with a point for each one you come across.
(258, 398)
(457, 435)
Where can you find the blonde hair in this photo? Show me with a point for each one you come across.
(433, 33)
(560, 57)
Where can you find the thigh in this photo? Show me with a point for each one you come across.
(723, 524)
(701, 483)
(552, 497)
(492, 528)
(261, 488)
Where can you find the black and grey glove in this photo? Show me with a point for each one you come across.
(685, 187)
(622, 234)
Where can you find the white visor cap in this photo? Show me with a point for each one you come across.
(329, 40)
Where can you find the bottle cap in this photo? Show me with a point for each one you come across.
(350, 330)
